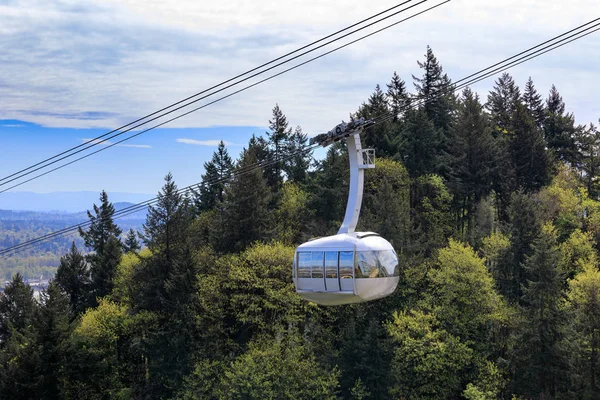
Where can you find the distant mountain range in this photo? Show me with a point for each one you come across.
(64, 202)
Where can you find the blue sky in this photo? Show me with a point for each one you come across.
(72, 70)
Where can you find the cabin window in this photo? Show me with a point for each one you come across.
(331, 264)
(346, 264)
(377, 264)
(304, 261)
(317, 264)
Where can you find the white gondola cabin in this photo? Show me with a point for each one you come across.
(350, 267)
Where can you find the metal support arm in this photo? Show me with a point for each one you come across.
(359, 160)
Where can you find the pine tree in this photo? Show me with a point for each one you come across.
(166, 222)
(279, 135)
(17, 308)
(588, 143)
(432, 88)
(20, 361)
(397, 96)
(502, 103)
(524, 229)
(420, 143)
(246, 214)
(73, 277)
(296, 167)
(132, 243)
(212, 187)
(559, 129)
(326, 183)
(473, 159)
(541, 358)
(102, 237)
(530, 159)
(381, 137)
(53, 330)
(534, 103)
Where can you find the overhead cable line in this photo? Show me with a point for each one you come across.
(103, 139)
(206, 90)
(471, 79)
(143, 205)
(506, 64)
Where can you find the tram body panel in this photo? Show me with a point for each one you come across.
(345, 269)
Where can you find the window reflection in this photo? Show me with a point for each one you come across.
(331, 264)
(346, 264)
(304, 264)
(317, 264)
(377, 264)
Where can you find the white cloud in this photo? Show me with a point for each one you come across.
(203, 142)
(108, 143)
(105, 63)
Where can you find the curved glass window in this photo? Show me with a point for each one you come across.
(331, 264)
(346, 264)
(304, 260)
(376, 264)
(317, 264)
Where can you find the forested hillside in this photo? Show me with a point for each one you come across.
(491, 202)
(43, 259)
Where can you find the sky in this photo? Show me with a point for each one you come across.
(72, 70)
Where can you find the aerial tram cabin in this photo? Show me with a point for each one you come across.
(350, 267)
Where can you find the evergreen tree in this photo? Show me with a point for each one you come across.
(132, 243)
(20, 360)
(325, 186)
(73, 277)
(433, 89)
(17, 308)
(279, 135)
(245, 208)
(398, 97)
(541, 356)
(559, 129)
(420, 143)
(213, 186)
(296, 167)
(588, 143)
(502, 103)
(381, 137)
(528, 150)
(166, 222)
(584, 305)
(53, 330)
(473, 160)
(102, 237)
(524, 228)
(534, 103)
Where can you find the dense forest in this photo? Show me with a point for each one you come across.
(491, 204)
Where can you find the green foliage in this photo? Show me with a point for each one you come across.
(102, 237)
(212, 188)
(386, 204)
(430, 214)
(73, 277)
(541, 347)
(245, 209)
(292, 215)
(278, 369)
(429, 362)
(208, 309)
(463, 295)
